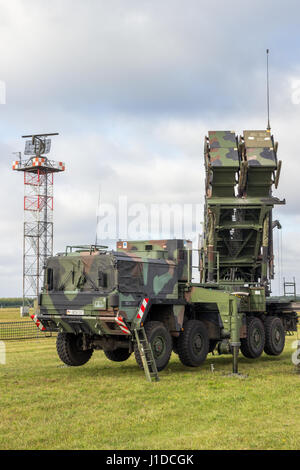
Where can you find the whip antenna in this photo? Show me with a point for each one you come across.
(268, 92)
(97, 217)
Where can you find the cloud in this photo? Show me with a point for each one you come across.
(142, 57)
(132, 88)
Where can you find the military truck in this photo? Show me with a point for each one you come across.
(95, 299)
(142, 296)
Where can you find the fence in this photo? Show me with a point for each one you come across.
(15, 330)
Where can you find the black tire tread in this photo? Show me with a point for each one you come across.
(118, 355)
(246, 348)
(67, 352)
(184, 343)
(269, 347)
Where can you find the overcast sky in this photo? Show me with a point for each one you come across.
(132, 87)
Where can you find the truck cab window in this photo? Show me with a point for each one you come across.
(49, 279)
(102, 279)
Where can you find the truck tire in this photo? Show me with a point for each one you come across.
(275, 336)
(253, 345)
(161, 344)
(193, 343)
(118, 355)
(69, 350)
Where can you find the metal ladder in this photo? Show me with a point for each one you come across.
(289, 284)
(146, 354)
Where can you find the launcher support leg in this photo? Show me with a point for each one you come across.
(235, 342)
(235, 353)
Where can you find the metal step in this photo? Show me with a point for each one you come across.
(146, 354)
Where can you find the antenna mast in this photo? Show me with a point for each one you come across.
(268, 92)
(97, 217)
(38, 172)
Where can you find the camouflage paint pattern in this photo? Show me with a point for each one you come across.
(78, 300)
(221, 163)
(86, 291)
(239, 201)
(259, 149)
(75, 302)
(173, 250)
(223, 149)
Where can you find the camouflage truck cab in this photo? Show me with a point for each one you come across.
(96, 299)
(85, 284)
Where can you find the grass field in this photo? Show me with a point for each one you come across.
(12, 314)
(107, 405)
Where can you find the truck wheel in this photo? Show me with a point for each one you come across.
(118, 355)
(161, 344)
(69, 350)
(275, 336)
(193, 343)
(253, 345)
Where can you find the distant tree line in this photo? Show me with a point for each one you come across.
(12, 302)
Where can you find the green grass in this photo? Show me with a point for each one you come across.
(106, 405)
(12, 314)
